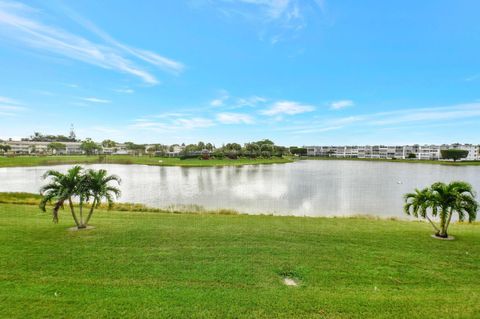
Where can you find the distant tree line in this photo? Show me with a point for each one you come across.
(39, 137)
(262, 148)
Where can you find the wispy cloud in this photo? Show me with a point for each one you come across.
(390, 119)
(338, 105)
(288, 108)
(173, 124)
(221, 99)
(277, 19)
(217, 102)
(96, 100)
(251, 101)
(472, 77)
(7, 100)
(23, 25)
(234, 118)
(459, 111)
(125, 90)
(10, 107)
(192, 123)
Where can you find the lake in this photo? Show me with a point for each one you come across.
(310, 188)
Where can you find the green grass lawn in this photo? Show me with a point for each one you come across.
(129, 159)
(214, 266)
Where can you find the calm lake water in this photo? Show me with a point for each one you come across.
(313, 188)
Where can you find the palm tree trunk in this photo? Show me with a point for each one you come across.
(448, 221)
(91, 211)
(434, 226)
(73, 212)
(443, 217)
(82, 224)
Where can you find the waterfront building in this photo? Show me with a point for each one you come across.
(420, 152)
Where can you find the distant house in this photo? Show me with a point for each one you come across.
(175, 150)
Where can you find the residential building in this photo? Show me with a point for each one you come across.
(420, 152)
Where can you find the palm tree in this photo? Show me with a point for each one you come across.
(98, 186)
(443, 200)
(419, 203)
(61, 188)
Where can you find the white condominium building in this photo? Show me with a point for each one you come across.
(28, 147)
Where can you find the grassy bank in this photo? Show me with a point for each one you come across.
(411, 161)
(214, 266)
(129, 159)
(34, 199)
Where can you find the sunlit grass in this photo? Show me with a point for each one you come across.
(158, 265)
(128, 159)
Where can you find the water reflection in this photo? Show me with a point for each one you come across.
(313, 188)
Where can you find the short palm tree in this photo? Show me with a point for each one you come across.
(99, 186)
(61, 188)
(443, 201)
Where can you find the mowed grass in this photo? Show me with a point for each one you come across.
(409, 161)
(130, 159)
(139, 265)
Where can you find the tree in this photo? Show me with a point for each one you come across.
(55, 147)
(5, 148)
(442, 200)
(109, 143)
(77, 184)
(300, 151)
(411, 155)
(454, 154)
(252, 149)
(98, 185)
(89, 146)
(61, 188)
(266, 149)
(136, 148)
(265, 141)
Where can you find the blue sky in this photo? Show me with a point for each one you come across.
(300, 72)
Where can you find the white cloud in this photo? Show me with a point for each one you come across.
(216, 102)
(273, 8)
(193, 123)
(459, 111)
(338, 105)
(6, 100)
(250, 101)
(288, 108)
(472, 78)
(96, 100)
(21, 26)
(220, 101)
(172, 124)
(234, 118)
(124, 90)
(277, 20)
(412, 117)
(10, 107)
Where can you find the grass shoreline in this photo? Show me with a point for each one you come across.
(216, 266)
(30, 161)
(27, 161)
(31, 199)
(406, 161)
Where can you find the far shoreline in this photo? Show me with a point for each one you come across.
(53, 160)
(385, 160)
